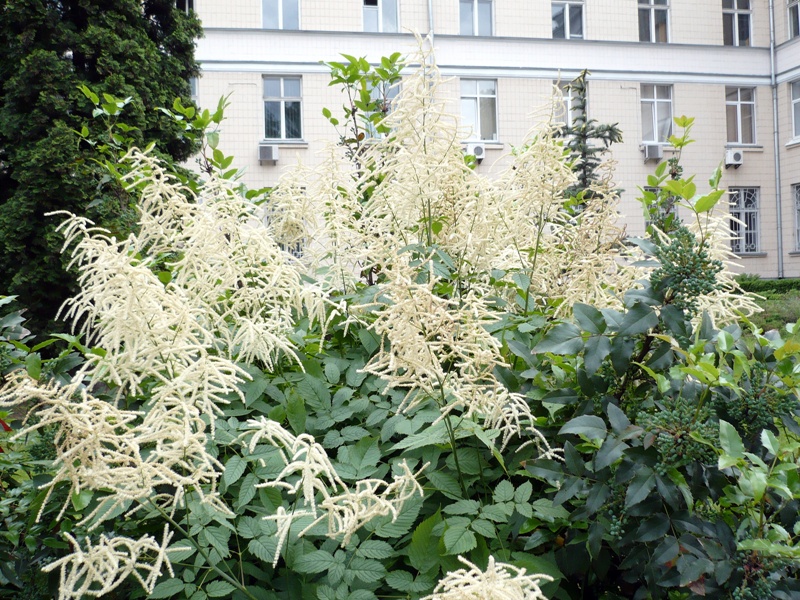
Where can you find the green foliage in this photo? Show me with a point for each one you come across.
(141, 52)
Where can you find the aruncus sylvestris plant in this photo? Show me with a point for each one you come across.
(373, 418)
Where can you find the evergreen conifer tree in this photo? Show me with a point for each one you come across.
(128, 48)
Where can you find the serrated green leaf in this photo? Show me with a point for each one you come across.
(484, 528)
(365, 569)
(167, 589)
(459, 540)
(234, 469)
(731, 443)
(317, 561)
(640, 318)
(462, 507)
(564, 338)
(263, 547)
(523, 492)
(643, 483)
(422, 552)
(591, 426)
(589, 318)
(503, 491)
(219, 589)
(403, 581)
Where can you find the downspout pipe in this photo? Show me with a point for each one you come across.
(430, 21)
(776, 138)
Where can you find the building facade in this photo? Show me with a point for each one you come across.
(733, 65)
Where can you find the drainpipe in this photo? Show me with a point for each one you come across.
(775, 136)
(430, 21)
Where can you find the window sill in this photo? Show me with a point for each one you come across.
(793, 143)
(490, 144)
(747, 147)
(794, 253)
(285, 143)
(750, 254)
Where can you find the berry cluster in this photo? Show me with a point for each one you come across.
(673, 426)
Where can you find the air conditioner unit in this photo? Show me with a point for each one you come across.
(653, 152)
(269, 153)
(477, 150)
(733, 158)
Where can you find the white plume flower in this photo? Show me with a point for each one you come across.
(500, 581)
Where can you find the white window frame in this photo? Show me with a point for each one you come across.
(282, 99)
(566, 6)
(747, 237)
(188, 5)
(379, 10)
(567, 100)
(796, 194)
(793, 22)
(651, 6)
(475, 14)
(654, 103)
(794, 94)
(475, 135)
(194, 88)
(736, 10)
(281, 22)
(738, 104)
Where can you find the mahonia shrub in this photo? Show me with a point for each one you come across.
(399, 378)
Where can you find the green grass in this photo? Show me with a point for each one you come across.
(779, 308)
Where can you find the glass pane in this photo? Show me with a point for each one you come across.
(661, 25)
(664, 116)
(576, 21)
(291, 15)
(370, 18)
(796, 90)
(663, 92)
(648, 133)
(272, 119)
(744, 4)
(293, 129)
(748, 124)
(371, 3)
(469, 87)
(661, 2)
(648, 91)
(272, 87)
(484, 17)
(731, 94)
(270, 14)
(733, 124)
(469, 116)
(796, 115)
(291, 87)
(390, 21)
(746, 94)
(794, 16)
(465, 8)
(559, 31)
(744, 30)
(488, 119)
(727, 29)
(644, 25)
(727, 3)
(487, 87)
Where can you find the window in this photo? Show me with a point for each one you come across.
(381, 16)
(794, 18)
(744, 224)
(568, 101)
(659, 210)
(796, 108)
(736, 22)
(281, 14)
(282, 108)
(185, 5)
(740, 113)
(476, 17)
(384, 95)
(479, 108)
(656, 113)
(193, 88)
(568, 20)
(653, 21)
(796, 194)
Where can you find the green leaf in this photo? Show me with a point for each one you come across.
(504, 492)
(33, 364)
(219, 589)
(523, 492)
(263, 547)
(641, 486)
(564, 338)
(315, 562)
(639, 319)
(707, 202)
(365, 569)
(666, 551)
(375, 549)
(168, 588)
(732, 447)
(447, 484)
(234, 469)
(422, 551)
(484, 528)
(462, 507)
(404, 581)
(597, 348)
(590, 426)
(459, 540)
(589, 318)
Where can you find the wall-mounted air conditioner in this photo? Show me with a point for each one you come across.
(733, 158)
(268, 153)
(653, 152)
(477, 150)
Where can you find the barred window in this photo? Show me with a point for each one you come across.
(745, 221)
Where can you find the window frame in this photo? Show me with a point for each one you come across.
(738, 104)
(379, 9)
(567, 100)
(651, 7)
(188, 6)
(280, 16)
(736, 13)
(475, 14)
(476, 133)
(795, 107)
(566, 5)
(654, 101)
(282, 99)
(796, 194)
(793, 19)
(745, 235)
